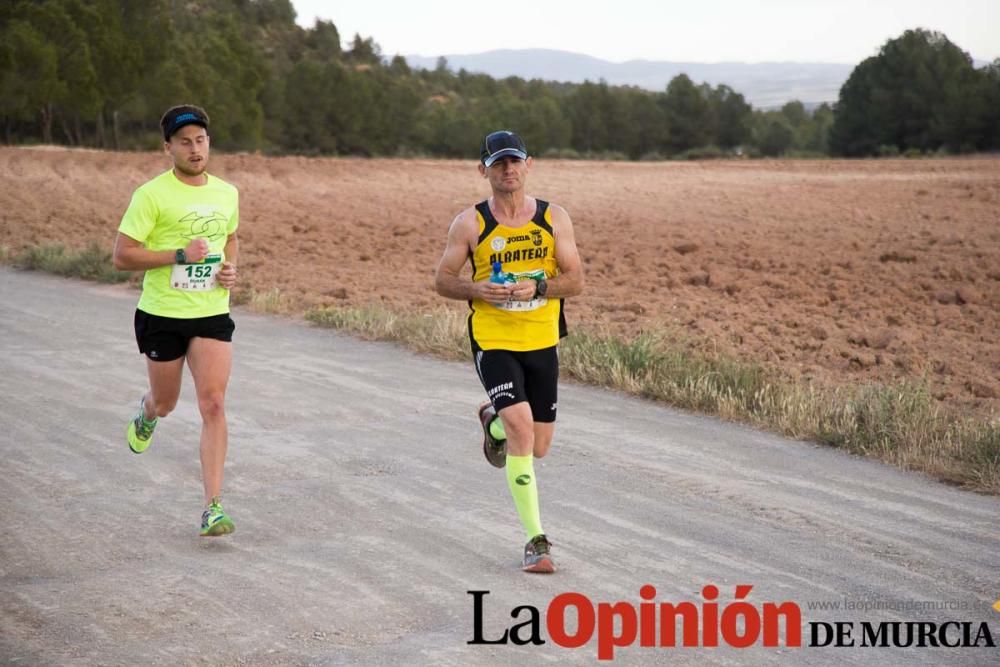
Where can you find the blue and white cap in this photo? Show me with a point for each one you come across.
(500, 144)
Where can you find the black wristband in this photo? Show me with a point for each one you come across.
(180, 257)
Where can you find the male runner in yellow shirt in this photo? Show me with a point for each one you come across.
(180, 228)
(524, 263)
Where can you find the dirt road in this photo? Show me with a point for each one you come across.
(365, 512)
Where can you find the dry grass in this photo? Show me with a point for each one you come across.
(442, 333)
(91, 263)
(269, 301)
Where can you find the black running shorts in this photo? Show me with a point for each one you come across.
(167, 338)
(514, 377)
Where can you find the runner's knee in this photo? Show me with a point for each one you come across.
(519, 431)
(212, 405)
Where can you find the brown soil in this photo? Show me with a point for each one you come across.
(835, 271)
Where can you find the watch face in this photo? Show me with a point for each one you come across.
(542, 287)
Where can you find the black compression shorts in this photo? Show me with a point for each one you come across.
(514, 377)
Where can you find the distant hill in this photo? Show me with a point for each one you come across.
(763, 84)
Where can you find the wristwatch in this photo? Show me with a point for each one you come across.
(180, 257)
(541, 287)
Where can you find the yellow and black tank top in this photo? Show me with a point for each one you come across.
(524, 252)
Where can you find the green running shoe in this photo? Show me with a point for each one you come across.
(215, 521)
(140, 432)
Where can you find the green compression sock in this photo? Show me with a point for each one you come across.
(496, 429)
(524, 490)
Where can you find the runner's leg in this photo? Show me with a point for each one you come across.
(211, 361)
(520, 467)
(541, 385)
(164, 387)
(543, 438)
(519, 428)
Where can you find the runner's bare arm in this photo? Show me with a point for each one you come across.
(462, 237)
(570, 280)
(132, 255)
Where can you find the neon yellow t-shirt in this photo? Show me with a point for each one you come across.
(166, 214)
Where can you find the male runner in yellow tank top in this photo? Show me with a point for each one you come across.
(180, 228)
(524, 263)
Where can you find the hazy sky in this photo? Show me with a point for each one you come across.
(844, 31)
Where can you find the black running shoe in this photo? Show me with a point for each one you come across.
(537, 557)
(495, 450)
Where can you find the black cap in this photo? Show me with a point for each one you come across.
(499, 144)
(178, 117)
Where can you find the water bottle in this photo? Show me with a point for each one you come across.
(498, 276)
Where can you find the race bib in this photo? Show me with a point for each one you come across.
(196, 277)
(521, 306)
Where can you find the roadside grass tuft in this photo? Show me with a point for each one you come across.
(90, 263)
(271, 301)
(442, 333)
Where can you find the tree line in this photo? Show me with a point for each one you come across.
(100, 72)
